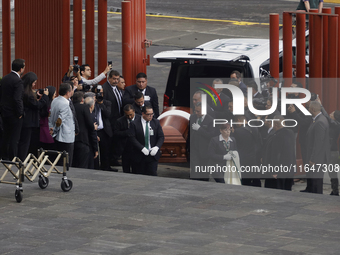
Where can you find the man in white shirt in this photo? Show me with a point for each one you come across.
(85, 72)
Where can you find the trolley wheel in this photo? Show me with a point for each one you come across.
(43, 182)
(66, 187)
(18, 195)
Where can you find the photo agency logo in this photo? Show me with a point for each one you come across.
(238, 104)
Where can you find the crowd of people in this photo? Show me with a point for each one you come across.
(272, 144)
(95, 124)
(100, 124)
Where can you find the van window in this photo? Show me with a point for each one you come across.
(178, 87)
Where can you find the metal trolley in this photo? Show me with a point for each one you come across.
(33, 167)
(19, 176)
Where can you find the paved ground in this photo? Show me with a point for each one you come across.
(116, 213)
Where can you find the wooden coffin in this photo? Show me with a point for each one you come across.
(175, 122)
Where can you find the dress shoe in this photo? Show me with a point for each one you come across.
(304, 190)
(334, 194)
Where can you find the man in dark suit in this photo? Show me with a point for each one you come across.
(121, 130)
(102, 113)
(147, 138)
(113, 94)
(220, 110)
(150, 94)
(249, 143)
(280, 152)
(86, 125)
(237, 75)
(318, 148)
(200, 132)
(12, 109)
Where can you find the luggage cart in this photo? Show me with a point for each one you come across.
(19, 176)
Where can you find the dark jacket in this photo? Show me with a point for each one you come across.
(105, 109)
(11, 96)
(31, 108)
(85, 121)
(110, 96)
(130, 91)
(137, 140)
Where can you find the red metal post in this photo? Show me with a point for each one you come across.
(145, 57)
(102, 35)
(301, 48)
(127, 63)
(274, 45)
(287, 49)
(311, 34)
(337, 11)
(89, 40)
(66, 36)
(78, 30)
(139, 32)
(316, 83)
(6, 37)
(325, 41)
(332, 95)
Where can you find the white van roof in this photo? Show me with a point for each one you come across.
(255, 50)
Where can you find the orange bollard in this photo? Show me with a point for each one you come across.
(274, 45)
(89, 32)
(102, 36)
(6, 37)
(332, 95)
(301, 48)
(127, 63)
(325, 41)
(66, 37)
(316, 83)
(78, 30)
(337, 11)
(287, 49)
(311, 33)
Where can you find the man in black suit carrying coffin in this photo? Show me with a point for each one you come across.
(150, 94)
(12, 109)
(146, 138)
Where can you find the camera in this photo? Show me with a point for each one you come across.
(41, 92)
(86, 87)
(110, 63)
(313, 96)
(99, 95)
(76, 66)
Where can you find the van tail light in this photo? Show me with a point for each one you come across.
(166, 102)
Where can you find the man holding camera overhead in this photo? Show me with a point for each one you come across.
(85, 73)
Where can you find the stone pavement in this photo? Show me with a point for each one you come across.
(117, 213)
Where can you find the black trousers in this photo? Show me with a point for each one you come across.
(126, 162)
(68, 147)
(81, 155)
(104, 149)
(11, 136)
(147, 166)
(24, 142)
(315, 185)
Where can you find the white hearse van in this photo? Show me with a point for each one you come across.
(214, 59)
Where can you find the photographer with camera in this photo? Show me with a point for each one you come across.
(102, 112)
(33, 102)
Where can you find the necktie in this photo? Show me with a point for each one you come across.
(199, 121)
(118, 97)
(129, 122)
(147, 135)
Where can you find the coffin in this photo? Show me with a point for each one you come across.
(175, 123)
